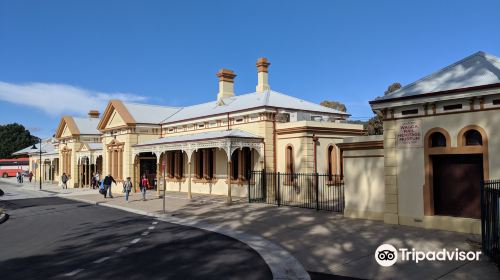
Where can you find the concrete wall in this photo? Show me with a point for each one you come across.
(364, 180)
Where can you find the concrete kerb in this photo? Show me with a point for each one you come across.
(281, 263)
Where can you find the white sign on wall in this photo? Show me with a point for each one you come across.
(409, 134)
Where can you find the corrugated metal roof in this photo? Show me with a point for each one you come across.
(146, 113)
(476, 70)
(249, 101)
(234, 133)
(95, 146)
(48, 148)
(87, 125)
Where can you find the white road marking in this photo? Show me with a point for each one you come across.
(121, 249)
(155, 223)
(151, 227)
(135, 240)
(145, 233)
(103, 259)
(74, 272)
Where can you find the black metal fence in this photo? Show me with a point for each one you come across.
(490, 219)
(306, 190)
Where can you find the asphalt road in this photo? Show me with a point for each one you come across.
(55, 238)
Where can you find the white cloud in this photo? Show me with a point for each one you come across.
(57, 99)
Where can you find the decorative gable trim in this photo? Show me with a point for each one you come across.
(119, 107)
(70, 123)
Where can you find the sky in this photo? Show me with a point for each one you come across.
(68, 57)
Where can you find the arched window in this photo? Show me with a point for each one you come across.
(289, 160)
(473, 138)
(437, 139)
(332, 162)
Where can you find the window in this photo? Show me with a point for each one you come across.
(452, 107)
(473, 138)
(115, 159)
(409, 112)
(496, 102)
(290, 168)
(241, 161)
(204, 164)
(332, 162)
(437, 140)
(175, 164)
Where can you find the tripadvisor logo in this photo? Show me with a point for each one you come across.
(387, 255)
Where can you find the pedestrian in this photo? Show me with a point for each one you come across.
(17, 177)
(107, 185)
(143, 186)
(64, 181)
(92, 181)
(97, 179)
(21, 177)
(127, 186)
(30, 176)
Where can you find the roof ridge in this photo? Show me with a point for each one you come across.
(478, 53)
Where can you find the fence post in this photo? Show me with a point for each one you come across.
(483, 217)
(316, 182)
(263, 187)
(278, 187)
(248, 178)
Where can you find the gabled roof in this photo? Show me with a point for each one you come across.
(87, 126)
(146, 113)
(48, 148)
(248, 101)
(134, 113)
(92, 146)
(479, 69)
(234, 133)
(78, 126)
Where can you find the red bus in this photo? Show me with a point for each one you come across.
(9, 167)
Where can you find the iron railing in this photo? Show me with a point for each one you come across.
(305, 190)
(490, 219)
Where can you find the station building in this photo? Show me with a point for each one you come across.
(204, 148)
(439, 143)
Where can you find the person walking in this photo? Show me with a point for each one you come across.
(64, 180)
(107, 185)
(143, 186)
(17, 177)
(127, 186)
(97, 179)
(30, 176)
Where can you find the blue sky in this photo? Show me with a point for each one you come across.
(65, 57)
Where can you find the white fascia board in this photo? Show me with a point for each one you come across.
(432, 99)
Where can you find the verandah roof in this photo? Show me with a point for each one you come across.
(234, 133)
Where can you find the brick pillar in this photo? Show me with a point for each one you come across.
(390, 169)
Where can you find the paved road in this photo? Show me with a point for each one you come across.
(55, 238)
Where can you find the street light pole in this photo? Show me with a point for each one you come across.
(40, 163)
(39, 166)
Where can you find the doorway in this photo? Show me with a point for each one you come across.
(456, 185)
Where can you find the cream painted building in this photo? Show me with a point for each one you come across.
(440, 140)
(205, 148)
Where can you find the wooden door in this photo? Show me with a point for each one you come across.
(456, 184)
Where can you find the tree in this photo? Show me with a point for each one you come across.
(375, 125)
(393, 87)
(334, 105)
(14, 137)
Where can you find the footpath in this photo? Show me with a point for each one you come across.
(323, 242)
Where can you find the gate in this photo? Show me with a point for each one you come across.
(490, 219)
(305, 190)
